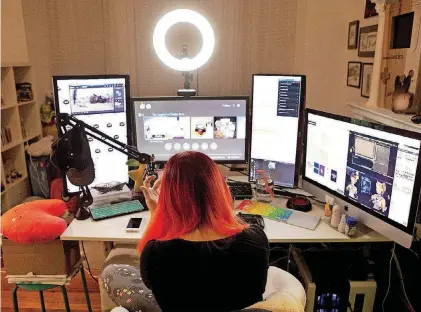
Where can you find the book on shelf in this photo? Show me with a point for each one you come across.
(6, 135)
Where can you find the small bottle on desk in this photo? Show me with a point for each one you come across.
(336, 216)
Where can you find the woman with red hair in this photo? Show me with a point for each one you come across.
(195, 254)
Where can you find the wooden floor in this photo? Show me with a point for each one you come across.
(29, 300)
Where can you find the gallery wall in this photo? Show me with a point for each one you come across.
(105, 36)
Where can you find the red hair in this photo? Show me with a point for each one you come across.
(193, 193)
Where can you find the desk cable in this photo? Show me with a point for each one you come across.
(87, 263)
(394, 257)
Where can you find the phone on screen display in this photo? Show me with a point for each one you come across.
(134, 225)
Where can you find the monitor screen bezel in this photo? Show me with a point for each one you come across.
(402, 132)
(200, 98)
(297, 169)
(90, 77)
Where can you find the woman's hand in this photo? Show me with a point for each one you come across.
(151, 193)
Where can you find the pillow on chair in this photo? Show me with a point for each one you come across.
(34, 222)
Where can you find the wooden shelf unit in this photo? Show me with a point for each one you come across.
(24, 121)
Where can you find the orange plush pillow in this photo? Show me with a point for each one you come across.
(34, 222)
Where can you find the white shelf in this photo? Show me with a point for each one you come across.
(385, 116)
(30, 137)
(26, 103)
(14, 183)
(10, 145)
(6, 106)
(14, 116)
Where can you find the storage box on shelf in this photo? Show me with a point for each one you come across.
(20, 123)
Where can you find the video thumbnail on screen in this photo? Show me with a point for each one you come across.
(225, 127)
(166, 128)
(202, 127)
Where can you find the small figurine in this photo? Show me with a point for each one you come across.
(351, 188)
(379, 202)
(48, 117)
(47, 111)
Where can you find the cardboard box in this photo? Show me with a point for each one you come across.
(53, 258)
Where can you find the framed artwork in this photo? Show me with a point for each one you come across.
(367, 73)
(353, 35)
(368, 38)
(370, 9)
(354, 74)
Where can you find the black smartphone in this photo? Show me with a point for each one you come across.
(134, 224)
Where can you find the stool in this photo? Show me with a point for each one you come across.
(41, 287)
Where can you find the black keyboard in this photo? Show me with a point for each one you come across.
(240, 190)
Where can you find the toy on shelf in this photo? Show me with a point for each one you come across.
(12, 175)
(48, 116)
(24, 92)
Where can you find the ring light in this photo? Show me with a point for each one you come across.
(180, 16)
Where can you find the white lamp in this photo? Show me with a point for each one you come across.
(186, 16)
(185, 64)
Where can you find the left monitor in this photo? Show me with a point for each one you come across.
(101, 102)
(215, 126)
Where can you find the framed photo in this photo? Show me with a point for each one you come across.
(367, 73)
(368, 37)
(370, 9)
(354, 74)
(353, 35)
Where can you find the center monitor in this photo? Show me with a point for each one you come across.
(277, 106)
(373, 170)
(216, 126)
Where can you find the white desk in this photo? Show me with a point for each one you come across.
(114, 230)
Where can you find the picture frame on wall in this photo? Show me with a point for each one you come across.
(366, 74)
(353, 35)
(370, 9)
(367, 42)
(353, 78)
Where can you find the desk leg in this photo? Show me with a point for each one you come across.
(65, 298)
(289, 256)
(15, 299)
(41, 300)
(85, 289)
(107, 246)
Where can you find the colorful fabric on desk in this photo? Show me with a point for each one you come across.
(265, 210)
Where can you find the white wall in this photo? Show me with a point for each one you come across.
(13, 38)
(322, 53)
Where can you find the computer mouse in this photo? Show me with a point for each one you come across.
(416, 119)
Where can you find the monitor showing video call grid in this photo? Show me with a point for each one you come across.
(216, 126)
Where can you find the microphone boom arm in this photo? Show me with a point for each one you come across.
(66, 122)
